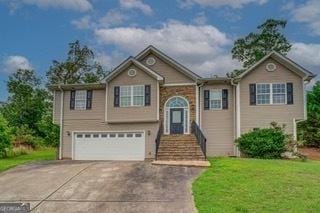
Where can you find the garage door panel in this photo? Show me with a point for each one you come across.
(123, 146)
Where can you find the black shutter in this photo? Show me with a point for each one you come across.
(224, 99)
(116, 96)
(252, 88)
(147, 95)
(289, 93)
(89, 99)
(72, 98)
(206, 96)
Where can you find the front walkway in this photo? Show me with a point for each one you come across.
(73, 186)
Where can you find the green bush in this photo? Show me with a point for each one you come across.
(25, 137)
(5, 137)
(265, 143)
(48, 131)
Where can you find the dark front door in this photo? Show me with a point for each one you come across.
(176, 121)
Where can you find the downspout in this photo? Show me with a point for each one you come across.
(61, 121)
(236, 112)
(200, 92)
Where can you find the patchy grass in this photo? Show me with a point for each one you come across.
(252, 185)
(37, 155)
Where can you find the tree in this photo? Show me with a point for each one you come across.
(27, 101)
(255, 46)
(309, 130)
(5, 137)
(79, 67)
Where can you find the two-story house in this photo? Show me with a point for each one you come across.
(151, 106)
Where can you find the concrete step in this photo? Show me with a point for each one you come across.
(180, 158)
(193, 153)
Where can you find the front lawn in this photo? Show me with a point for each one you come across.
(37, 155)
(252, 185)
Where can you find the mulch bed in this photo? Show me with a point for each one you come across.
(311, 152)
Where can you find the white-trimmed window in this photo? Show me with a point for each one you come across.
(132, 95)
(80, 99)
(273, 93)
(216, 99)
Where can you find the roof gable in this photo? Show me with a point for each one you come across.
(152, 50)
(124, 65)
(283, 60)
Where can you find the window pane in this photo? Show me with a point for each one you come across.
(263, 99)
(125, 101)
(138, 90)
(279, 98)
(125, 91)
(263, 88)
(215, 104)
(138, 101)
(215, 94)
(279, 88)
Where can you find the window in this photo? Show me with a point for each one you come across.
(81, 99)
(79, 135)
(279, 93)
(87, 136)
(216, 99)
(132, 95)
(138, 135)
(271, 93)
(104, 135)
(263, 93)
(96, 135)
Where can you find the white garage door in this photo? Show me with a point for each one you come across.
(109, 146)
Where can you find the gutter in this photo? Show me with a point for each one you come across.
(61, 121)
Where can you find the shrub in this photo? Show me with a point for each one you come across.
(25, 137)
(265, 143)
(17, 151)
(48, 131)
(5, 137)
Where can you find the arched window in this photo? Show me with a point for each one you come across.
(176, 102)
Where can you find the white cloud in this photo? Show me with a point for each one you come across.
(236, 4)
(12, 63)
(136, 4)
(79, 5)
(82, 23)
(308, 13)
(201, 48)
(113, 17)
(307, 55)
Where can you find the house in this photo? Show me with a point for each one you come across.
(151, 106)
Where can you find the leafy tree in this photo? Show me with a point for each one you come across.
(5, 137)
(27, 101)
(79, 67)
(309, 130)
(256, 45)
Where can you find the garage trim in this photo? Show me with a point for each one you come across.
(107, 131)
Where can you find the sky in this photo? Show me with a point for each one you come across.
(197, 33)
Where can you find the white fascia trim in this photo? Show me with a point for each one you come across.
(61, 123)
(158, 100)
(106, 107)
(179, 84)
(197, 105)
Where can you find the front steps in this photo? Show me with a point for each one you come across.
(179, 148)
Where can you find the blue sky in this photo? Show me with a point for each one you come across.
(198, 33)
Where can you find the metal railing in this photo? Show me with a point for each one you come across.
(195, 129)
(158, 139)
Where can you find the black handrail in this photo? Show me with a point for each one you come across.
(195, 129)
(158, 139)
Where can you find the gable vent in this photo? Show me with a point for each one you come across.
(150, 61)
(270, 67)
(132, 72)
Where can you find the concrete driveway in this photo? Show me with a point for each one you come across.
(73, 186)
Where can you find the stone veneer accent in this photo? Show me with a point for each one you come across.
(188, 92)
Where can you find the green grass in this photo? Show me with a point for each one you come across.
(252, 185)
(37, 155)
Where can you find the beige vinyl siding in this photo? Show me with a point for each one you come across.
(57, 107)
(260, 116)
(218, 125)
(170, 74)
(127, 114)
